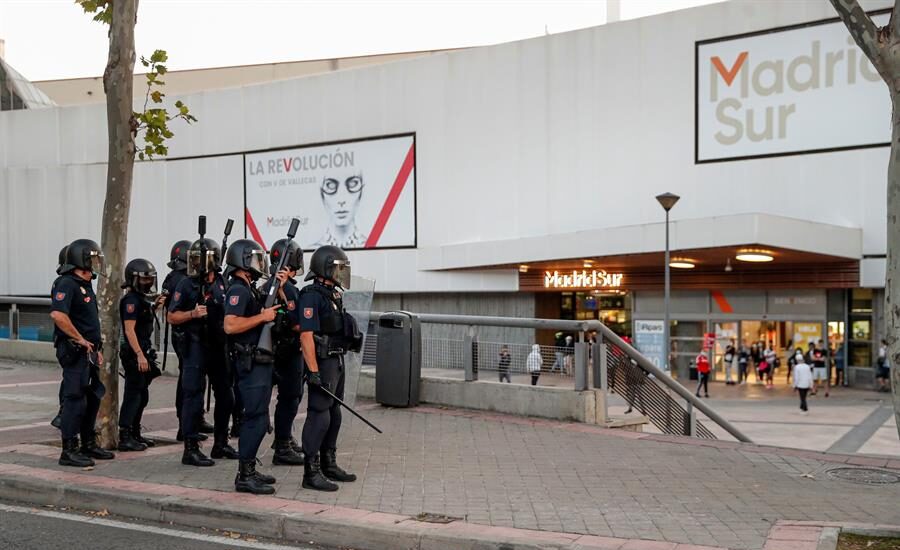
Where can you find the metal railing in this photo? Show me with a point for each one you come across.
(609, 364)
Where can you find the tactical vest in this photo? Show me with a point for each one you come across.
(331, 321)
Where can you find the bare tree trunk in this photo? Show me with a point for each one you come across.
(118, 83)
(892, 282)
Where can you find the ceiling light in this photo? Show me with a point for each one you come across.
(523, 268)
(588, 264)
(682, 263)
(754, 255)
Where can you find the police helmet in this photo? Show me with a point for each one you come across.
(178, 255)
(61, 266)
(85, 254)
(249, 256)
(140, 275)
(291, 251)
(330, 263)
(197, 265)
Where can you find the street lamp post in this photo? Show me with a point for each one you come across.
(667, 201)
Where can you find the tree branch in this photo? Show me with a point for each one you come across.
(864, 31)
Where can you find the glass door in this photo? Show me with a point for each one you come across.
(726, 334)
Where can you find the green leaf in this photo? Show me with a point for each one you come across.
(157, 96)
(159, 56)
(161, 69)
(179, 104)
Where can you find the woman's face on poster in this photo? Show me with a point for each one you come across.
(341, 194)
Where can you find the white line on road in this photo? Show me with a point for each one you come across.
(212, 539)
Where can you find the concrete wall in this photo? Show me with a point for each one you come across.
(539, 401)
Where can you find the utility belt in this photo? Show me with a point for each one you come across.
(69, 354)
(244, 355)
(330, 345)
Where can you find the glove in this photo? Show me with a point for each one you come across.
(314, 379)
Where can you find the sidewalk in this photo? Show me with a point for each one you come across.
(509, 480)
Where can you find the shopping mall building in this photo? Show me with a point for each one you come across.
(520, 179)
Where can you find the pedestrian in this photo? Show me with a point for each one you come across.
(802, 379)
(533, 363)
(244, 320)
(820, 371)
(288, 361)
(769, 359)
(756, 354)
(743, 363)
(325, 337)
(792, 362)
(703, 374)
(79, 350)
(789, 354)
(729, 360)
(838, 359)
(559, 343)
(883, 368)
(137, 314)
(503, 364)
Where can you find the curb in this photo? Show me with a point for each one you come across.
(286, 520)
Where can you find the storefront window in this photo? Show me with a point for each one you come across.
(610, 308)
(861, 327)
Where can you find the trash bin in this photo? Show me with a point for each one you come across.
(398, 360)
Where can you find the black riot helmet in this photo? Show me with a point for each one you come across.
(197, 265)
(249, 256)
(291, 250)
(140, 275)
(331, 263)
(61, 266)
(85, 254)
(178, 255)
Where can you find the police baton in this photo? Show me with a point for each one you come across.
(349, 408)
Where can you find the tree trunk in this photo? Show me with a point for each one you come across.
(892, 281)
(118, 83)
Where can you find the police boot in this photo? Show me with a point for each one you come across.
(57, 420)
(71, 456)
(285, 454)
(127, 442)
(248, 480)
(313, 478)
(221, 449)
(193, 456)
(205, 427)
(90, 448)
(136, 434)
(330, 468)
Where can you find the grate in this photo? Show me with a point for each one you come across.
(865, 476)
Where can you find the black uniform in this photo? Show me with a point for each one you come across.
(135, 307)
(288, 360)
(81, 386)
(216, 361)
(168, 286)
(254, 370)
(192, 380)
(322, 312)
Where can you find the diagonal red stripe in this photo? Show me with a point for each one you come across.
(722, 302)
(251, 225)
(392, 198)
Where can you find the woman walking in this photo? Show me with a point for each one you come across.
(534, 363)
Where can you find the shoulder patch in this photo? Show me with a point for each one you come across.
(290, 305)
(234, 300)
(177, 296)
(129, 308)
(308, 312)
(60, 296)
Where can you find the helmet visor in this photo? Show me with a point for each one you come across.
(145, 283)
(96, 261)
(258, 263)
(199, 266)
(341, 274)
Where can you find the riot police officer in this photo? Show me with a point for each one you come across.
(136, 313)
(244, 319)
(78, 343)
(288, 363)
(188, 307)
(178, 258)
(61, 269)
(324, 339)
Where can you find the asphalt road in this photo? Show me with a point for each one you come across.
(24, 528)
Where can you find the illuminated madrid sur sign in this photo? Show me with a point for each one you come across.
(582, 279)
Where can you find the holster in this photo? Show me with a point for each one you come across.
(243, 356)
(328, 346)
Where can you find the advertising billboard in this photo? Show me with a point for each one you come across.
(357, 194)
(800, 89)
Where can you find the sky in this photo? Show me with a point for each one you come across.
(54, 39)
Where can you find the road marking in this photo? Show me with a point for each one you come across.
(24, 384)
(212, 539)
(853, 440)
